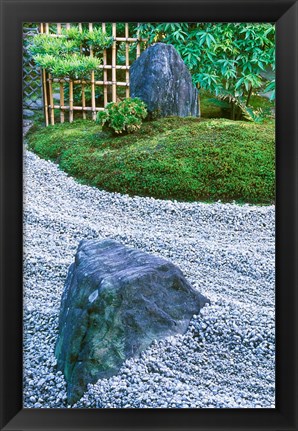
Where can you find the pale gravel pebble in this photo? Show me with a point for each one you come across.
(226, 359)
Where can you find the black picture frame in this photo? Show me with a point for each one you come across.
(285, 15)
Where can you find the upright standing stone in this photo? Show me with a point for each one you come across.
(161, 79)
(115, 302)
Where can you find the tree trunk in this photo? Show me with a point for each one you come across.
(238, 114)
(248, 96)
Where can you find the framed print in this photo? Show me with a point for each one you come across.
(149, 215)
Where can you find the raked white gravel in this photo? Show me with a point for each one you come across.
(227, 357)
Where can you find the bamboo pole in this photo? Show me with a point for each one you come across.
(116, 67)
(138, 42)
(83, 85)
(61, 101)
(119, 84)
(129, 39)
(117, 39)
(93, 96)
(44, 86)
(70, 101)
(47, 28)
(77, 108)
(114, 60)
(127, 59)
(105, 73)
(61, 84)
(92, 81)
(83, 100)
(79, 81)
(45, 97)
(51, 100)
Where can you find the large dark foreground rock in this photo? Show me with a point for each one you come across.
(115, 302)
(161, 79)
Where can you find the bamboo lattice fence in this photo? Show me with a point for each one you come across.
(32, 93)
(109, 84)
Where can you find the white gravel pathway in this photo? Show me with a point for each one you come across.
(227, 357)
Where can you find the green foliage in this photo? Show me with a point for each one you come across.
(271, 88)
(70, 65)
(185, 159)
(97, 39)
(123, 117)
(258, 115)
(44, 44)
(212, 107)
(69, 54)
(227, 59)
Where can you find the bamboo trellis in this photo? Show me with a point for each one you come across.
(32, 84)
(49, 83)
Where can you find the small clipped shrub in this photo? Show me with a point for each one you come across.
(123, 117)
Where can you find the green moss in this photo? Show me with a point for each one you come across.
(186, 159)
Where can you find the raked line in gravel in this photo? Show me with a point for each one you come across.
(226, 359)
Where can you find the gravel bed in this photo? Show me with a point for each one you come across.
(226, 359)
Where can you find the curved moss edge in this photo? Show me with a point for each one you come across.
(182, 159)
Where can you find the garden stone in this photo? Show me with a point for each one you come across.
(116, 302)
(161, 79)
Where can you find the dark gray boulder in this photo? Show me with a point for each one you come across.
(161, 79)
(115, 302)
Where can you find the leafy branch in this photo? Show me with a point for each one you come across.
(68, 54)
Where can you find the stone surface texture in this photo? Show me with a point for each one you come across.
(116, 302)
(161, 79)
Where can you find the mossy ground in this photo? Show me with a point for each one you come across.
(186, 159)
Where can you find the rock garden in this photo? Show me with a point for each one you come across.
(149, 221)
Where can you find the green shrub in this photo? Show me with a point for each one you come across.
(70, 65)
(69, 54)
(123, 117)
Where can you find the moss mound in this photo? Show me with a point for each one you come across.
(186, 159)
